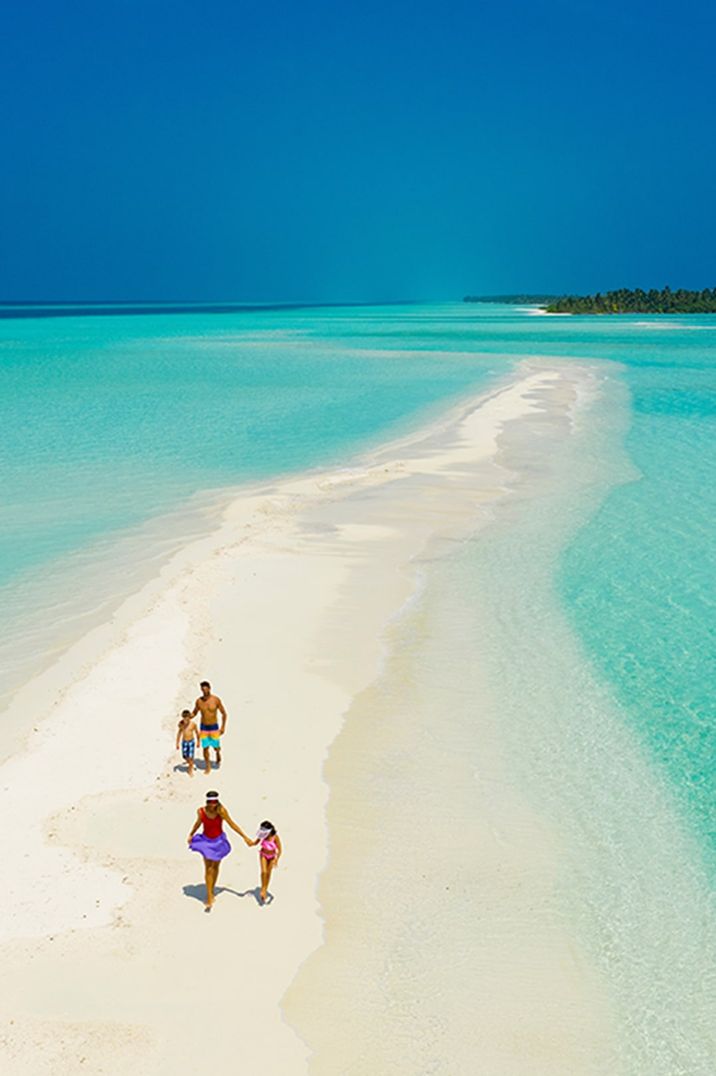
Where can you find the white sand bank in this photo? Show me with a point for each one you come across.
(114, 968)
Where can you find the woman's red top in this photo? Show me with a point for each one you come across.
(212, 826)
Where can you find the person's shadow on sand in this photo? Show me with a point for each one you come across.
(199, 767)
(198, 892)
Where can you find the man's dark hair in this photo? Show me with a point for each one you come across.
(204, 683)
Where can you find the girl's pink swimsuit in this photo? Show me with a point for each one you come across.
(269, 848)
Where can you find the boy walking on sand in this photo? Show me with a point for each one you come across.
(188, 736)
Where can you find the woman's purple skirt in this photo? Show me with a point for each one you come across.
(214, 848)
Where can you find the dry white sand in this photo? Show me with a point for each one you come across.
(110, 963)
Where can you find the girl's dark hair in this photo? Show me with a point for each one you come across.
(268, 825)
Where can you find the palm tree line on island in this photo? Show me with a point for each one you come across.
(621, 301)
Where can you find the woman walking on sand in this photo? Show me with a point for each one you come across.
(269, 854)
(212, 843)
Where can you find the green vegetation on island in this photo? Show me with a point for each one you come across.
(622, 301)
(637, 301)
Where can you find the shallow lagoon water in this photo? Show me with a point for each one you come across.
(116, 426)
(122, 433)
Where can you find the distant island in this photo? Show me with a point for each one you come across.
(626, 301)
(623, 301)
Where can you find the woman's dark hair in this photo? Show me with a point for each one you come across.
(268, 825)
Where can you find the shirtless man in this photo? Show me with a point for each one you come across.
(210, 706)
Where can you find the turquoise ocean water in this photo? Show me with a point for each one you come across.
(110, 421)
(118, 427)
(638, 579)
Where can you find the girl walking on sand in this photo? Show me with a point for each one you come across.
(269, 854)
(212, 842)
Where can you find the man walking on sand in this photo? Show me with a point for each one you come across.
(210, 706)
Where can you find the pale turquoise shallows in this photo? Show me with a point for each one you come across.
(639, 580)
(110, 421)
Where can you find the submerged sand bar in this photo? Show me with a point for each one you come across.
(286, 609)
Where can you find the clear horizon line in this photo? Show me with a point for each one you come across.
(49, 308)
(216, 302)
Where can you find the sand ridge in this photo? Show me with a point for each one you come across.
(115, 967)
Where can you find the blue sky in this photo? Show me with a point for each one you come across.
(372, 151)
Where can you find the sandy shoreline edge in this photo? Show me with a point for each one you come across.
(285, 608)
